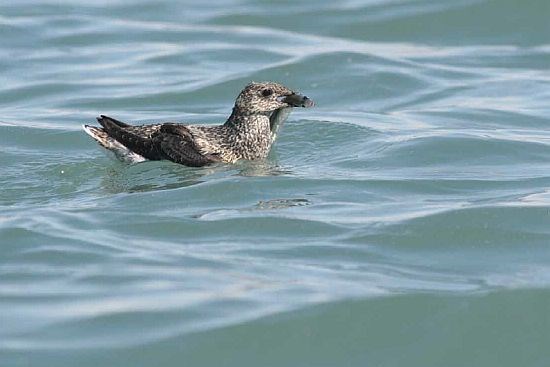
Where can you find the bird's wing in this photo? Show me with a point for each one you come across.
(162, 141)
(177, 144)
(116, 122)
(125, 135)
(142, 131)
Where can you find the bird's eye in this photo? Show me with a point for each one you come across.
(267, 92)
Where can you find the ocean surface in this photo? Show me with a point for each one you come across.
(403, 221)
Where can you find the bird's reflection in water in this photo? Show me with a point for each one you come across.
(153, 176)
(261, 168)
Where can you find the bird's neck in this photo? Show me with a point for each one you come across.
(250, 133)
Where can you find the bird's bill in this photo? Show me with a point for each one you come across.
(297, 100)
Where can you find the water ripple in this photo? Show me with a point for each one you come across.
(410, 201)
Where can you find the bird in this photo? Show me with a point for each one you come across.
(260, 110)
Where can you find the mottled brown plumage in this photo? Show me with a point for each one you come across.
(259, 111)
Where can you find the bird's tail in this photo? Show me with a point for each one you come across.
(107, 142)
(99, 135)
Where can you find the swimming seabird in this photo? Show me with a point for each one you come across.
(259, 111)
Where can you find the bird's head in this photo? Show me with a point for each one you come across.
(266, 97)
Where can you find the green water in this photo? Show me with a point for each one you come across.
(404, 221)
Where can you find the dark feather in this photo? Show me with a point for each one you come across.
(177, 144)
(169, 141)
(116, 122)
(138, 144)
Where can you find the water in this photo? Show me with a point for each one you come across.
(404, 221)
